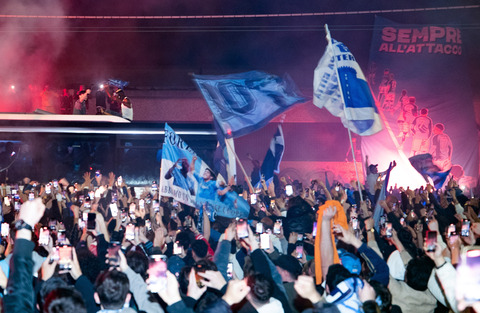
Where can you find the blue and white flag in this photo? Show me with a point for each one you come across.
(244, 102)
(189, 180)
(224, 157)
(378, 211)
(271, 162)
(118, 83)
(423, 163)
(358, 113)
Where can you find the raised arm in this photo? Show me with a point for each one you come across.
(326, 243)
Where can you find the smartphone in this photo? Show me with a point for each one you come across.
(289, 190)
(141, 203)
(48, 189)
(431, 240)
(277, 227)
(157, 274)
(131, 209)
(355, 223)
(55, 184)
(451, 229)
(91, 194)
(44, 236)
(314, 231)
(230, 270)
(388, 230)
(61, 238)
(402, 221)
(119, 180)
(199, 268)
(299, 250)
(253, 198)
(113, 209)
(272, 204)
(18, 205)
(259, 228)
(156, 206)
(130, 232)
(468, 276)
(465, 228)
(6, 201)
(31, 196)
(154, 186)
(5, 229)
(264, 241)
(52, 225)
(81, 224)
(177, 248)
(383, 220)
(242, 228)
(65, 257)
(55, 255)
(91, 224)
(97, 174)
(112, 251)
(148, 224)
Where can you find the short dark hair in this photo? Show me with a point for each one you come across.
(138, 262)
(384, 294)
(112, 288)
(336, 274)
(418, 273)
(64, 300)
(48, 286)
(200, 248)
(261, 287)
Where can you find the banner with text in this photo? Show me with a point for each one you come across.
(190, 181)
(419, 79)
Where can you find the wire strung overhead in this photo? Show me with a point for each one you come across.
(236, 16)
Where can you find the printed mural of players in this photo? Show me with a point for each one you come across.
(389, 100)
(207, 190)
(181, 176)
(405, 119)
(384, 86)
(441, 148)
(422, 127)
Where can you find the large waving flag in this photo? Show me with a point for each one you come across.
(244, 102)
(356, 108)
(189, 180)
(271, 162)
(423, 163)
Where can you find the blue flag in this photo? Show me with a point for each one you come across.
(358, 113)
(118, 83)
(224, 156)
(244, 102)
(378, 211)
(271, 162)
(187, 179)
(423, 163)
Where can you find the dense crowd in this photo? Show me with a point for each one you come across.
(98, 246)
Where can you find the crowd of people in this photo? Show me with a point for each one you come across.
(98, 246)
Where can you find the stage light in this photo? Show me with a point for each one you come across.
(12, 87)
(462, 187)
(101, 86)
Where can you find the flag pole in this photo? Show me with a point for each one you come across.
(329, 39)
(242, 168)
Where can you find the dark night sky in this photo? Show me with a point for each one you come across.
(161, 53)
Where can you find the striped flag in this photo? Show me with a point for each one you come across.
(357, 108)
